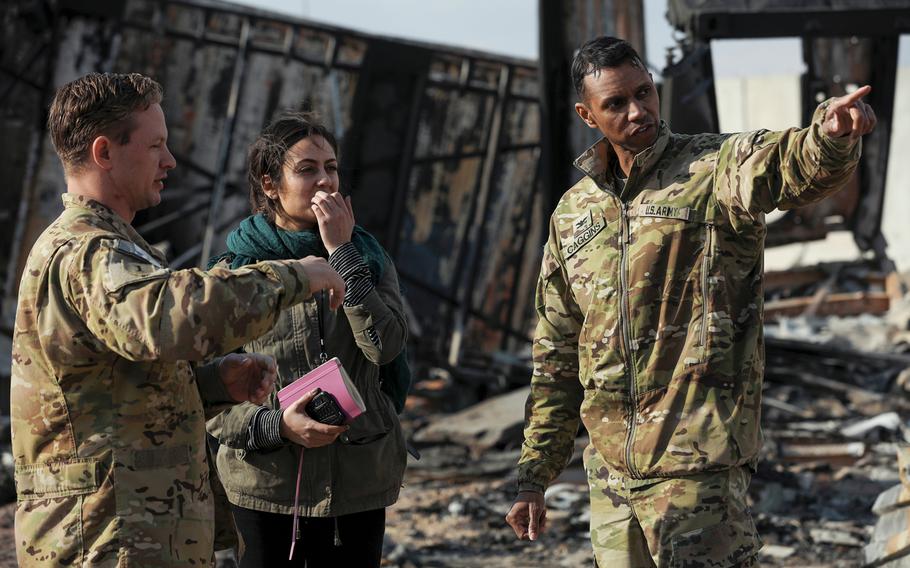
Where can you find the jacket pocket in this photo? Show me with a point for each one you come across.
(50, 532)
(548, 266)
(373, 424)
(51, 518)
(61, 478)
(370, 468)
(669, 280)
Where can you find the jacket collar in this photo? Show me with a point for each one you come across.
(595, 162)
(110, 218)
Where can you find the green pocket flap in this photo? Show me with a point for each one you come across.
(57, 479)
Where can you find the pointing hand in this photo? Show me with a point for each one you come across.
(849, 115)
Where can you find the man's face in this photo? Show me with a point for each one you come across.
(622, 103)
(140, 166)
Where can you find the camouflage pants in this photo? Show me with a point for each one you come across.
(691, 522)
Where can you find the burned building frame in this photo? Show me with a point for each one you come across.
(439, 146)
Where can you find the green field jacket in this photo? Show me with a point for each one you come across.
(650, 300)
(361, 472)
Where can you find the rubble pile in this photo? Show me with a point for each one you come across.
(832, 288)
(834, 419)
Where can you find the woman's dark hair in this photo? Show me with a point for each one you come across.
(268, 154)
(601, 53)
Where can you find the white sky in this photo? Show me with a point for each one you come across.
(509, 27)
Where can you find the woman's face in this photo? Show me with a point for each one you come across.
(310, 165)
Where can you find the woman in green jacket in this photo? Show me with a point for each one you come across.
(350, 474)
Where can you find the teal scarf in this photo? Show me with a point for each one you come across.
(257, 239)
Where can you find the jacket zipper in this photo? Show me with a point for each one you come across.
(625, 318)
(704, 290)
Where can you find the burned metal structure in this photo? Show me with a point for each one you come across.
(439, 146)
(564, 27)
(845, 42)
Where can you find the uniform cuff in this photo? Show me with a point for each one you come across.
(211, 387)
(530, 486)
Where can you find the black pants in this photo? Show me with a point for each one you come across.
(267, 539)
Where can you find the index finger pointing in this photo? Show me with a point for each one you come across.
(851, 98)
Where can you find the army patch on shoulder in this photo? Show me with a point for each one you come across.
(585, 228)
(667, 211)
(133, 249)
(128, 264)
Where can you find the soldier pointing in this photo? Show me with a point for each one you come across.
(108, 380)
(650, 316)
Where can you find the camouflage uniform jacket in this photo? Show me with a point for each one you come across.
(107, 419)
(650, 300)
(364, 468)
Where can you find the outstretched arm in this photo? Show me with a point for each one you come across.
(760, 171)
(143, 311)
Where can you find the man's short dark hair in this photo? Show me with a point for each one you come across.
(601, 53)
(94, 105)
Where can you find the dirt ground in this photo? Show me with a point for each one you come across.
(462, 524)
(459, 523)
(425, 529)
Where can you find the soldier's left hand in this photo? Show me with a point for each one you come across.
(849, 115)
(248, 377)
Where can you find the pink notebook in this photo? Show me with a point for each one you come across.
(333, 379)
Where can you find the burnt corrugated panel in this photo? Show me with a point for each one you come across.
(508, 230)
(452, 122)
(439, 146)
(524, 306)
(564, 27)
(436, 219)
(522, 123)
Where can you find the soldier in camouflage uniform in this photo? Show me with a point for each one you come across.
(107, 391)
(650, 317)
